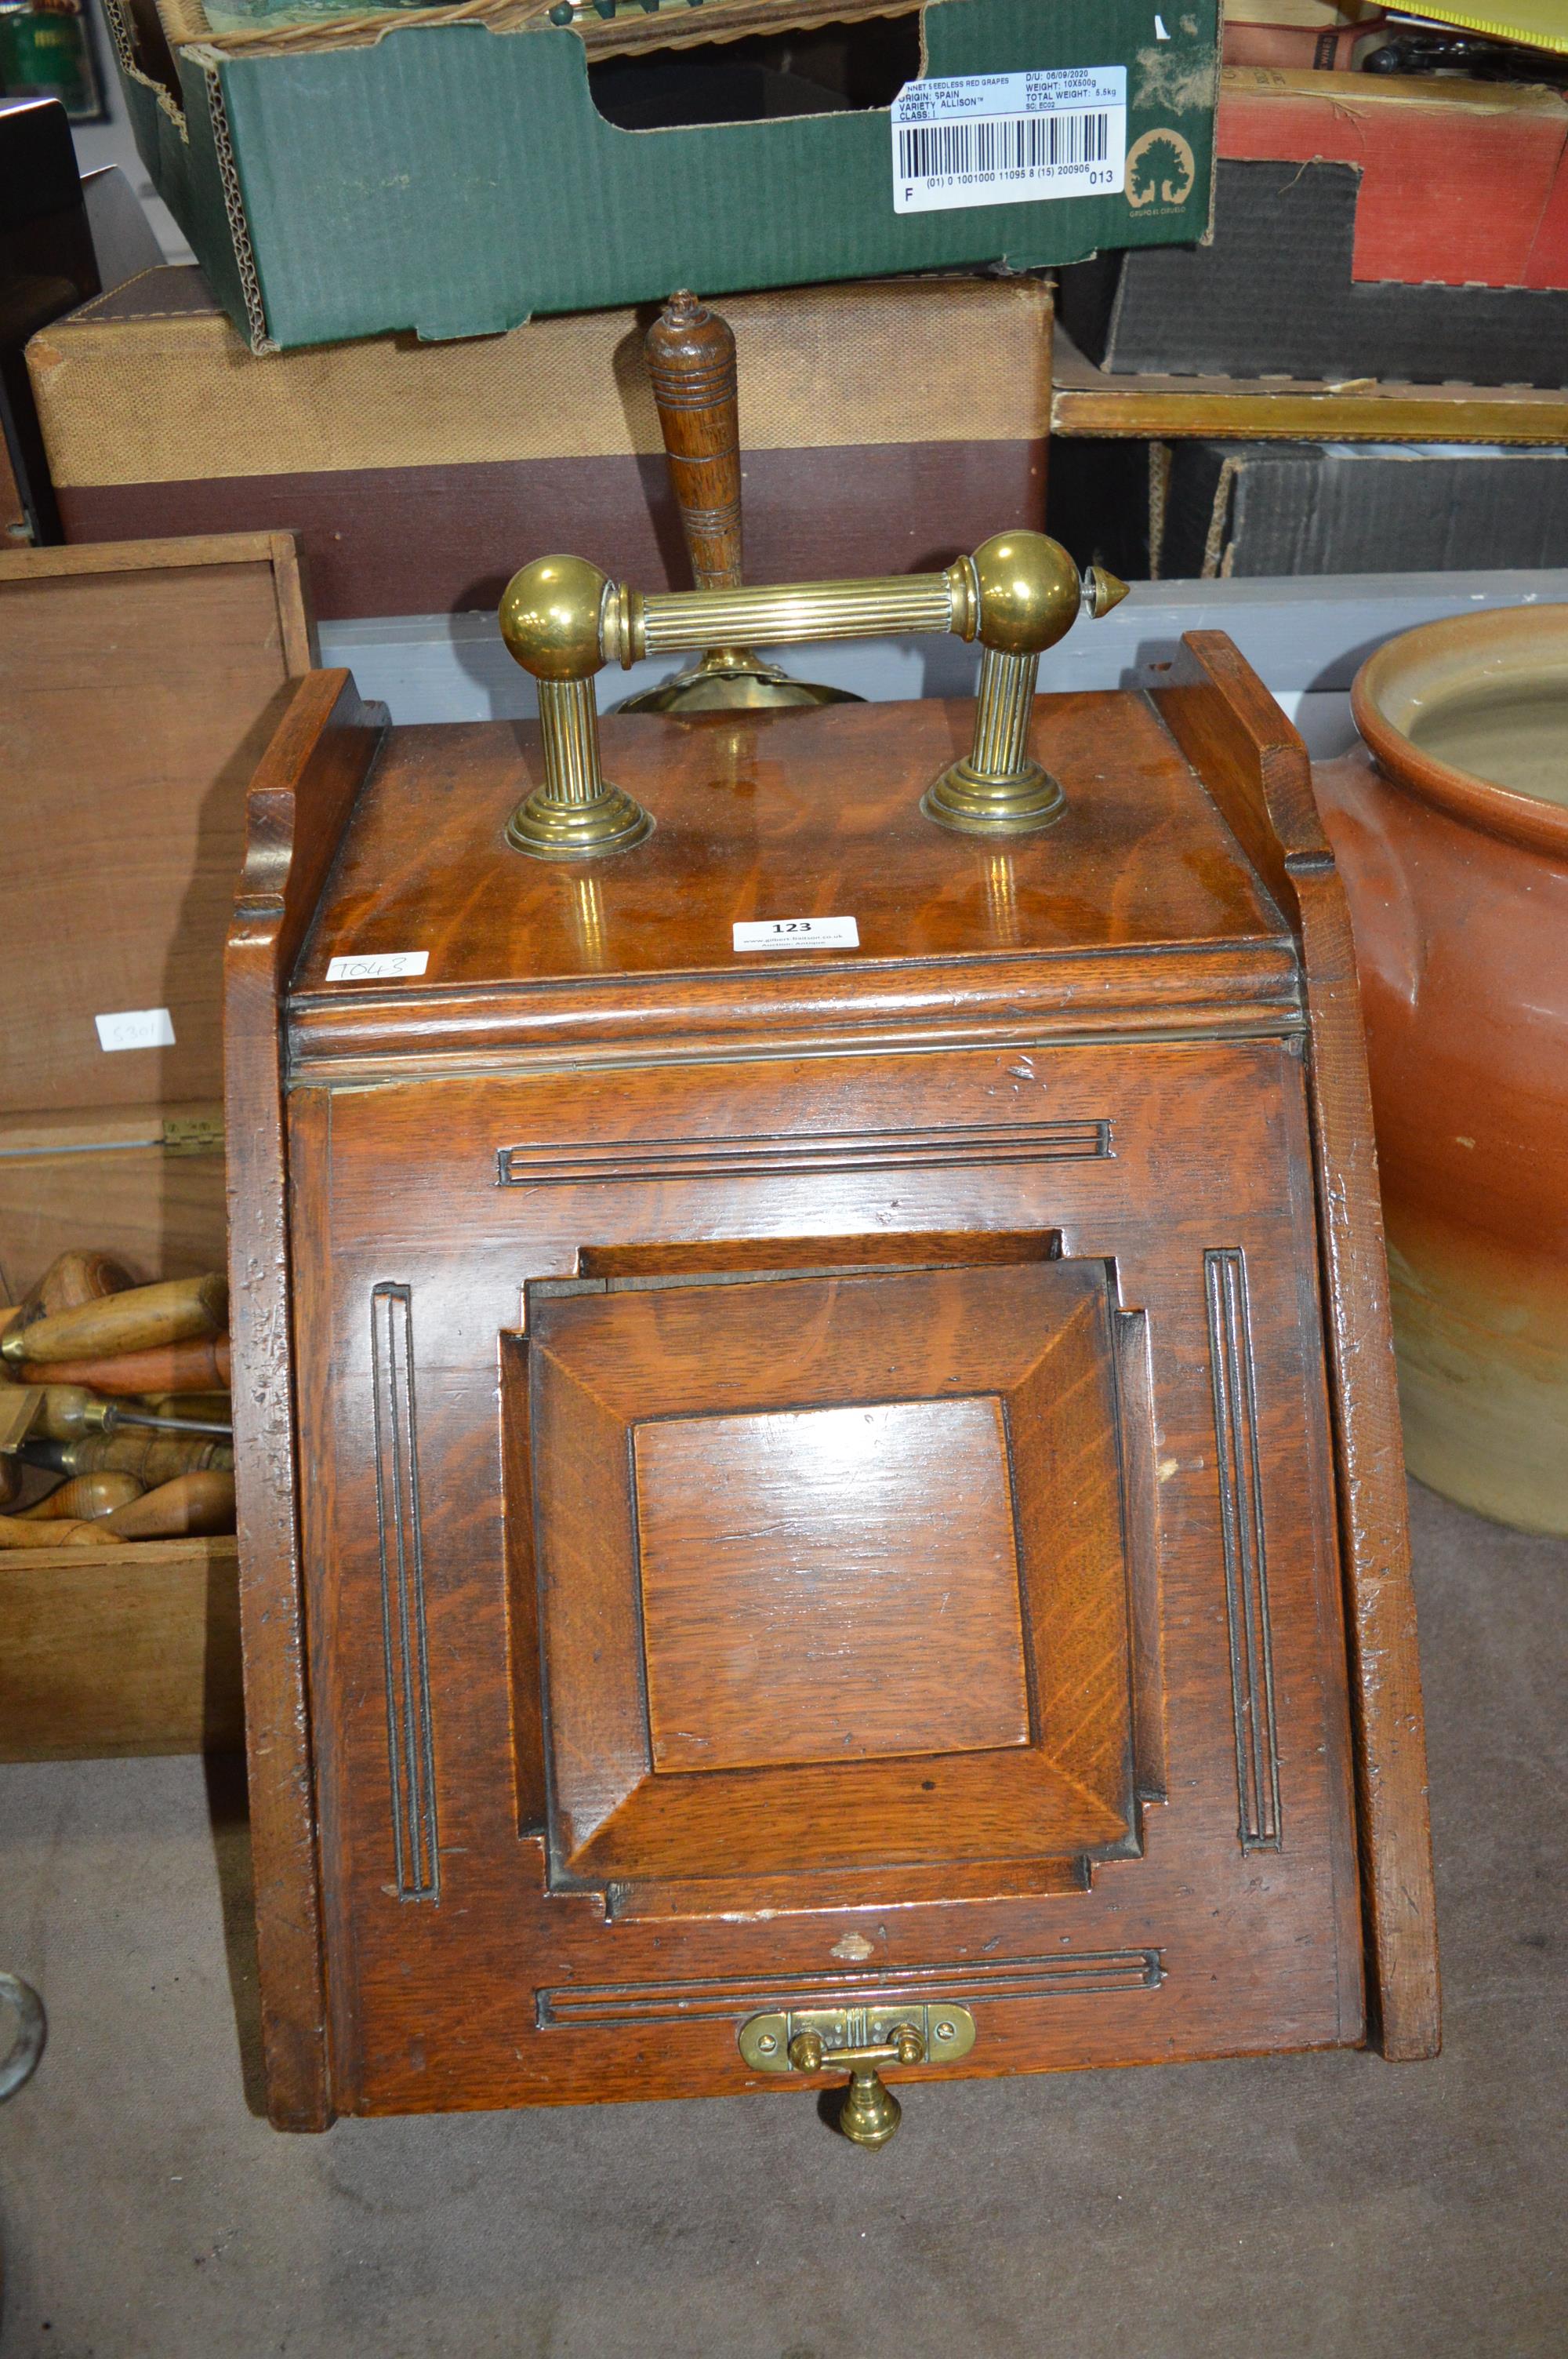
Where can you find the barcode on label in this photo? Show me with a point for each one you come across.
(1006, 142)
(1009, 139)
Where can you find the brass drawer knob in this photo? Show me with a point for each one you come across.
(861, 2041)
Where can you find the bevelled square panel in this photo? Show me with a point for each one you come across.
(799, 1566)
(832, 1572)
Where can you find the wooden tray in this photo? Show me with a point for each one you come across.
(138, 683)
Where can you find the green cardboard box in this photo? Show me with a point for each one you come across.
(456, 177)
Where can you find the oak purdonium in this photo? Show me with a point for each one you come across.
(828, 1487)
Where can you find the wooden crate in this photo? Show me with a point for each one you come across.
(138, 683)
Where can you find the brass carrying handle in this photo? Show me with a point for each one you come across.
(562, 620)
(809, 2052)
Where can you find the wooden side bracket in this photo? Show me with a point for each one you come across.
(1257, 769)
(297, 810)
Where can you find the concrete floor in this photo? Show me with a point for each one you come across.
(1322, 2205)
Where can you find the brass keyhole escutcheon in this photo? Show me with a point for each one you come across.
(861, 2041)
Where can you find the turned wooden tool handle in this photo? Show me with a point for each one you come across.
(691, 361)
(71, 1280)
(68, 1411)
(154, 1458)
(85, 1496)
(200, 1365)
(133, 1321)
(18, 1532)
(191, 1504)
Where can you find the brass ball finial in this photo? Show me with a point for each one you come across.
(549, 617)
(1029, 592)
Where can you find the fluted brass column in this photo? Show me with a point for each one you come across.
(1029, 595)
(549, 620)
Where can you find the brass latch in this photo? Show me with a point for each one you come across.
(859, 2040)
(191, 1133)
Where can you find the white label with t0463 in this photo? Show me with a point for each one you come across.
(1009, 138)
(797, 934)
(377, 966)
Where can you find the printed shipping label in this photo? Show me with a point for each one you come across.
(136, 1027)
(797, 934)
(1009, 139)
(377, 966)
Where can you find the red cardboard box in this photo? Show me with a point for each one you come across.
(1462, 183)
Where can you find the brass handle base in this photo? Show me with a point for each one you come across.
(965, 799)
(548, 829)
(733, 680)
(576, 813)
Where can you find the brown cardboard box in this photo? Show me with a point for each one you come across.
(885, 427)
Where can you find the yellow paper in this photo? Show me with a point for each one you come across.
(1543, 24)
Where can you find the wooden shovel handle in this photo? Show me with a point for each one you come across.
(691, 364)
(198, 1366)
(135, 1321)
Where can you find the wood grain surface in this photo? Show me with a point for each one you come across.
(797, 1574)
(1086, 400)
(118, 1650)
(155, 670)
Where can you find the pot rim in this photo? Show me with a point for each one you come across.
(1476, 803)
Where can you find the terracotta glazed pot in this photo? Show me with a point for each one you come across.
(1451, 833)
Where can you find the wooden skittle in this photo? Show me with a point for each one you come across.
(191, 1504)
(138, 1320)
(200, 1365)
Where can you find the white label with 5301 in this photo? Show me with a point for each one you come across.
(796, 934)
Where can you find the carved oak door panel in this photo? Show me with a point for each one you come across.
(831, 1577)
(849, 1531)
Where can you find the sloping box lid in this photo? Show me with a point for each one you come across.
(456, 178)
(139, 685)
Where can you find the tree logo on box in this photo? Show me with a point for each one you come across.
(1160, 169)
